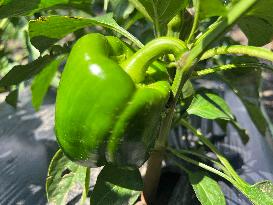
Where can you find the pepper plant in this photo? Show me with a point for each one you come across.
(128, 82)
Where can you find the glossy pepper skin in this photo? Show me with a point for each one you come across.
(102, 116)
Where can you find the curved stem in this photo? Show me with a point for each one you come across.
(196, 4)
(215, 69)
(239, 49)
(138, 63)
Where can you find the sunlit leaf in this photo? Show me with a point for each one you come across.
(260, 193)
(210, 106)
(63, 176)
(46, 31)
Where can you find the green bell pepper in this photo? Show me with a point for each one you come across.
(108, 109)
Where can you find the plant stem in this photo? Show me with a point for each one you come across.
(86, 187)
(105, 5)
(204, 157)
(153, 172)
(138, 63)
(207, 71)
(188, 60)
(239, 49)
(222, 159)
(152, 176)
(136, 67)
(157, 29)
(202, 165)
(184, 70)
(248, 190)
(196, 4)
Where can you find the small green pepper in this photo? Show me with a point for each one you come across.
(103, 115)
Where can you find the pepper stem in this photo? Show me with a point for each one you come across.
(137, 65)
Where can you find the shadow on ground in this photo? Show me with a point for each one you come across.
(26, 146)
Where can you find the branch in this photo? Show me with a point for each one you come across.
(239, 49)
(207, 71)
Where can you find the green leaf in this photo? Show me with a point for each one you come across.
(206, 189)
(266, 187)
(161, 11)
(209, 8)
(116, 186)
(42, 82)
(251, 24)
(259, 194)
(11, 8)
(209, 105)
(258, 23)
(188, 89)
(46, 31)
(241, 131)
(121, 8)
(21, 73)
(263, 9)
(63, 176)
(12, 98)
